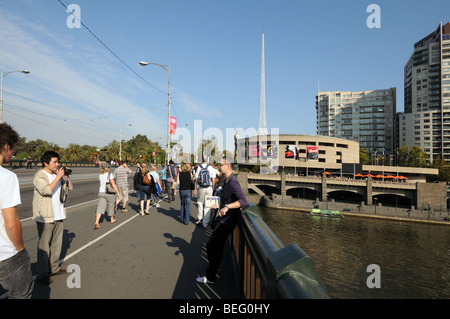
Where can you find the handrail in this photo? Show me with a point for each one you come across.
(267, 268)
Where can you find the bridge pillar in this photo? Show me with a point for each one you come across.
(283, 183)
(368, 199)
(324, 188)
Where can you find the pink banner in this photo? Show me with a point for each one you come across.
(173, 125)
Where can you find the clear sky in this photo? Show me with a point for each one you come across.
(79, 92)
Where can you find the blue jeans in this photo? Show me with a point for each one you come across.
(16, 277)
(185, 211)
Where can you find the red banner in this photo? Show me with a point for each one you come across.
(312, 152)
(173, 125)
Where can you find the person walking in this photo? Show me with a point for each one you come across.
(163, 180)
(121, 178)
(106, 198)
(154, 191)
(144, 190)
(204, 184)
(232, 200)
(184, 180)
(171, 177)
(49, 214)
(15, 265)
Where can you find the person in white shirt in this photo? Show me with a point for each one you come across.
(15, 265)
(204, 187)
(49, 215)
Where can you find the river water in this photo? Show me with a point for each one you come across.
(413, 258)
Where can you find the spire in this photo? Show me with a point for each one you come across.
(262, 129)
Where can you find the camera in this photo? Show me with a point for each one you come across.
(67, 171)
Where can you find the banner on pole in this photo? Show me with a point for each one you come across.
(173, 125)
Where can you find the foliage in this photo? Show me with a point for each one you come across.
(138, 149)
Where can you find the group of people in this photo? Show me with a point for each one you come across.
(52, 183)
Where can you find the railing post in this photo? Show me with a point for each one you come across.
(291, 261)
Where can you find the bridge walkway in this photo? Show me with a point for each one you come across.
(150, 257)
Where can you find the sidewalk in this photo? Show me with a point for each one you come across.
(150, 257)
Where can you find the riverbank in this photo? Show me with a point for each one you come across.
(348, 209)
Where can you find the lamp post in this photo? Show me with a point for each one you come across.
(3, 74)
(120, 142)
(167, 68)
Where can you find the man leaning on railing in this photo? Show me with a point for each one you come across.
(232, 200)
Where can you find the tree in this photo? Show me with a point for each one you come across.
(364, 157)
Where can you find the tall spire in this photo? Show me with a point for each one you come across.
(262, 129)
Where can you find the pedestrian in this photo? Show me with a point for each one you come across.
(184, 180)
(106, 198)
(155, 192)
(232, 200)
(15, 265)
(49, 215)
(29, 162)
(204, 184)
(171, 177)
(144, 190)
(121, 178)
(163, 180)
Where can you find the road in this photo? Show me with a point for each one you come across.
(155, 256)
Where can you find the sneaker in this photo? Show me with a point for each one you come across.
(124, 210)
(198, 222)
(157, 205)
(204, 280)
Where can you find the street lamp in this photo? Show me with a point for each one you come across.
(167, 68)
(120, 143)
(3, 74)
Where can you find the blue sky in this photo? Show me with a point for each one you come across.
(79, 92)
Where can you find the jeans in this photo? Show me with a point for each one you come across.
(185, 211)
(16, 277)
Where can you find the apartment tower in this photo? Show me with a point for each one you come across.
(425, 121)
(366, 117)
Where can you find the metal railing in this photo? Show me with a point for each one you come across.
(268, 269)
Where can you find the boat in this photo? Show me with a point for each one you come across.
(326, 212)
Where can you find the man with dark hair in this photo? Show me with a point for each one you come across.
(49, 214)
(231, 202)
(15, 265)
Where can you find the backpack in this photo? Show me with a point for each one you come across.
(204, 178)
(137, 180)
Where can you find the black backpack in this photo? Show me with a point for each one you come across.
(137, 179)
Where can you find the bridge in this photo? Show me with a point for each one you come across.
(367, 191)
(158, 257)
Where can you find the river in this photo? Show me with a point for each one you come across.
(413, 258)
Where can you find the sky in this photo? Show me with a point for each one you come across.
(86, 85)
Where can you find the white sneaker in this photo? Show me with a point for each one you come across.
(204, 280)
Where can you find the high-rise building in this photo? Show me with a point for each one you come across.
(366, 117)
(425, 121)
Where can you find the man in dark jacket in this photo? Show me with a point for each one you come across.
(232, 200)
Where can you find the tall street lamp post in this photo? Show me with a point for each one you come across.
(120, 143)
(167, 68)
(3, 74)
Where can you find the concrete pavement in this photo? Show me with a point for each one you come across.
(154, 256)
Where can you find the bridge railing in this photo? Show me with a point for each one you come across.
(267, 268)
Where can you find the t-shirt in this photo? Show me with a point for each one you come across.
(58, 207)
(103, 178)
(121, 176)
(155, 176)
(9, 197)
